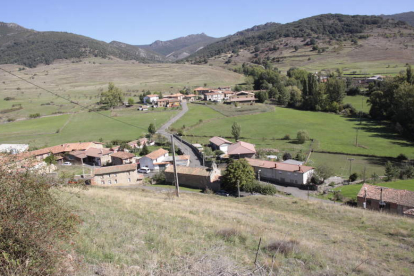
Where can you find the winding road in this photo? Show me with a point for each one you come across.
(194, 161)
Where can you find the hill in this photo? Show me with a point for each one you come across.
(181, 47)
(30, 48)
(138, 232)
(137, 51)
(357, 44)
(405, 16)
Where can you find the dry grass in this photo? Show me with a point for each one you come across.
(134, 232)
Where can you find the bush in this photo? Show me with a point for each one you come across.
(286, 137)
(33, 224)
(402, 157)
(302, 136)
(159, 178)
(34, 115)
(283, 247)
(287, 156)
(257, 187)
(9, 99)
(353, 177)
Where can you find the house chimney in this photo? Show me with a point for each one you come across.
(101, 151)
(275, 165)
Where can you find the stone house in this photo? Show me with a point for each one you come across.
(243, 97)
(122, 174)
(278, 172)
(201, 90)
(168, 102)
(195, 177)
(190, 98)
(92, 156)
(386, 199)
(122, 157)
(214, 96)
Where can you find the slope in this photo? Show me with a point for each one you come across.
(405, 16)
(181, 47)
(138, 232)
(30, 48)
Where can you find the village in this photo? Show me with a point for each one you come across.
(122, 165)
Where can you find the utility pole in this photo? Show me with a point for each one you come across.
(177, 187)
(350, 165)
(356, 138)
(238, 188)
(365, 170)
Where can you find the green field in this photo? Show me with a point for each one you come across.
(340, 164)
(196, 113)
(359, 102)
(85, 126)
(332, 133)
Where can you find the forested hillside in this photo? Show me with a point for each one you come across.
(30, 48)
(405, 16)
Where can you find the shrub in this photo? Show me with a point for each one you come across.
(159, 177)
(302, 136)
(257, 187)
(286, 137)
(33, 224)
(34, 115)
(353, 177)
(9, 99)
(287, 156)
(402, 157)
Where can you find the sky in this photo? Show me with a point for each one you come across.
(143, 22)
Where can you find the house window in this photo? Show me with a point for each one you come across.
(109, 182)
(129, 179)
(129, 173)
(369, 202)
(102, 182)
(116, 181)
(102, 176)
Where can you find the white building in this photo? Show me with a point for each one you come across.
(154, 160)
(151, 98)
(218, 143)
(13, 148)
(214, 96)
(278, 172)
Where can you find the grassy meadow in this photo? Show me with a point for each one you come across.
(359, 102)
(137, 232)
(331, 132)
(84, 126)
(82, 82)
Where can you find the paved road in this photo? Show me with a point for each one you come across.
(194, 161)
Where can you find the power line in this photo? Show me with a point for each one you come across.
(69, 100)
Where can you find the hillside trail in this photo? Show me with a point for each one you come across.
(194, 161)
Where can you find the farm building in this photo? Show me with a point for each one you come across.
(92, 156)
(154, 160)
(41, 154)
(122, 157)
(218, 143)
(190, 97)
(195, 177)
(241, 150)
(243, 97)
(122, 174)
(278, 172)
(201, 90)
(214, 96)
(168, 102)
(386, 199)
(151, 98)
(13, 148)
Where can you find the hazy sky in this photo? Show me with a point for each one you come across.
(142, 22)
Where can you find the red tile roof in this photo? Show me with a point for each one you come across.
(218, 141)
(400, 197)
(157, 153)
(97, 152)
(241, 148)
(278, 165)
(123, 155)
(153, 95)
(62, 148)
(115, 169)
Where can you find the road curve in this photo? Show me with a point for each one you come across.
(194, 161)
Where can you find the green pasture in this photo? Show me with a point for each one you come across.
(85, 126)
(331, 132)
(359, 102)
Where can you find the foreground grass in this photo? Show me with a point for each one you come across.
(331, 132)
(134, 232)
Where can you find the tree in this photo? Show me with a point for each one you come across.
(391, 171)
(51, 159)
(335, 90)
(324, 172)
(302, 136)
(113, 96)
(296, 48)
(131, 101)
(236, 131)
(151, 129)
(262, 96)
(410, 76)
(144, 150)
(238, 171)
